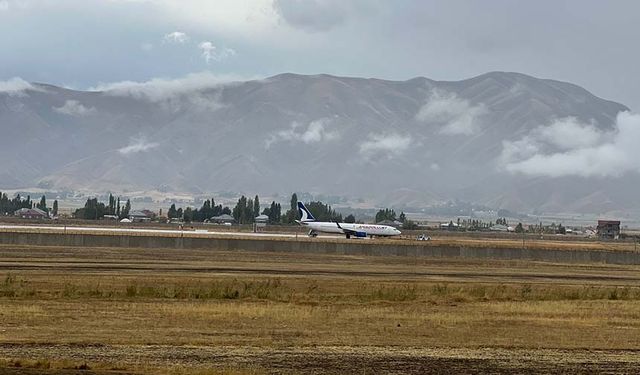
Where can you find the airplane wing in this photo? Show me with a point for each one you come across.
(350, 232)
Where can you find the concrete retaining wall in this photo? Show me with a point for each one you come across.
(353, 247)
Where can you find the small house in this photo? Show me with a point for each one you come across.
(31, 213)
(139, 217)
(608, 229)
(222, 219)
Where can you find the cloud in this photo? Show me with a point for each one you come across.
(178, 37)
(136, 146)
(160, 89)
(74, 108)
(196, 91)
(388, 144)
(16, 87)
(568, 133)
(311, 15)
(590, 153)
(213, 53)
(6, 5)
(315, 132)
(454, 115)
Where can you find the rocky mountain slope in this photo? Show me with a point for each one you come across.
(413, 142)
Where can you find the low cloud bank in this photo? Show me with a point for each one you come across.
(138, 145)
(74, 108)
(570, 148)
(16, 86)
(390, 145)
(316, 131)
(159, 89)
(454, 115)
(196, 91)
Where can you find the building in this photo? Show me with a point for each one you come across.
(391, 223)
(608, 229)
(499, 228)
(449, 226)
(150, 214)
(31, 213)
(222, 219)
(260, 223)
(262, 219)
(139, 217)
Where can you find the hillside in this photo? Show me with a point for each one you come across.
(413, 142)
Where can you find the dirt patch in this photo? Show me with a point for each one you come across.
(335, 360)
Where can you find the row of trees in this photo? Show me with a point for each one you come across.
(208, 210)
(247, 209)
(9, 206)
(94, 210)
(244, 212)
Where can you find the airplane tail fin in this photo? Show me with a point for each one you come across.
(305, 214)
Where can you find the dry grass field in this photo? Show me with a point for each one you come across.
(104, 311)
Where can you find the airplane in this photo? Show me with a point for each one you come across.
(348, 229)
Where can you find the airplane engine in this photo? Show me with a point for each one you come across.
(361, 234)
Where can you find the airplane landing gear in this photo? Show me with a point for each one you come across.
(313, 233)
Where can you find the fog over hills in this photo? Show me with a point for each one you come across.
(506, 140)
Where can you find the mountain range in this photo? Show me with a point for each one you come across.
(504, 140)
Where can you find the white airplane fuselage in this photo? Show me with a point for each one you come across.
(348, 229)
(359, 230)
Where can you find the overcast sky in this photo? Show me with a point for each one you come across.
(88, 43)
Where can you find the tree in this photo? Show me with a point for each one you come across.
(273, 212)
(385, 214)
(42, 205)
(118, 208)
(188, 215)
(409, 224)
(249, 215)
(292, 214)
(402, 217)
(172, 213)
(519, 228)
(350, 219)
(55, 208)
(256, 206)
(112, 205)
(92, 210)
(240, 210)
(323, 212)
(561, 229)
(9, 206)
(294, 202)
(126, 210)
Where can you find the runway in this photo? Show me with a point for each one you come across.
(199, 232)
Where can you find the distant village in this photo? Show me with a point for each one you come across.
(250, 211)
